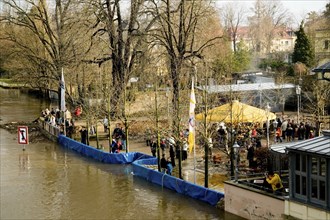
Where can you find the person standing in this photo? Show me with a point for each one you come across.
(278, 134)
(307, 131)
(169, 167)
(78, 111)
(153, 147)
(68, 115)
(301, 131)
(284, 126)
(105, 124)
(250, 155)
(184, 150)
(289, 132)
(294, 127)
(163, 164)
(123, 138)
(83, 133)
(172, 155)
(117, 132)
(222, 136)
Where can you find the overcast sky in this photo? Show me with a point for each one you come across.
(298, 8)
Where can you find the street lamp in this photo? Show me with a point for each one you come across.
(236, 152)
(267, 123)
(275, 126)
(298, 92)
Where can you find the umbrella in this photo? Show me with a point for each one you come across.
(236, 112)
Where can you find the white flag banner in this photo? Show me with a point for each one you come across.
(62, 86)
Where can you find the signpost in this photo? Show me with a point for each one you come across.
(23, 135)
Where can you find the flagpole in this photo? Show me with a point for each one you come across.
(194, 161)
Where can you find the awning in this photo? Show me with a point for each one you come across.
(236, 112)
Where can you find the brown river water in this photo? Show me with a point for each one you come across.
(49, 182)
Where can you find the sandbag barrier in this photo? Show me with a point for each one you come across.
(140, 162)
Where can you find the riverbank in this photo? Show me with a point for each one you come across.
(193, 168)
(8, 84)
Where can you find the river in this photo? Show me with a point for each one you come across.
(49, 182)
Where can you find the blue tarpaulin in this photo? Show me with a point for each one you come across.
(140, 162)
(171, 182)
(105, 157)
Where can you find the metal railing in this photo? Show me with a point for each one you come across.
(256, 181)
(53, 130)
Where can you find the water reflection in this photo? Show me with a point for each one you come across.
(23, 161)
(49, 182)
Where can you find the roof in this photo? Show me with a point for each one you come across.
(280, 148)
(245, 87)
(323, 68)
(318, 145)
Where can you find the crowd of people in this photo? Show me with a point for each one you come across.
(248, 136)
(169, 149)
(56, 118)
(288, 130)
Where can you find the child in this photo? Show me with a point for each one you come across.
(278, 134)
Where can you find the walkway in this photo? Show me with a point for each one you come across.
(217, 172)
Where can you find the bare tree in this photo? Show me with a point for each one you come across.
(233, 16)
(175, 29)
(43, 38)
(121, 34)
(268, 15)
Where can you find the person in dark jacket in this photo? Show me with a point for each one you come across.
(250, 156)
(301, 131)
(172, 155)
(163, 164)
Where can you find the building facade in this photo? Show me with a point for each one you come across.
(322, 45)
(310, 178)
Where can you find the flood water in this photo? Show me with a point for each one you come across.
(49, 182)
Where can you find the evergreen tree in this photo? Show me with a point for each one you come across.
(303, 51)
(326, 14)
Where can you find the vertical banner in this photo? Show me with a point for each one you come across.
(191, 137)
(62, 107)
(23, 134)
(62, 95)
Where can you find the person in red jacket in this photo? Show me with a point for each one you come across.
(78, 111)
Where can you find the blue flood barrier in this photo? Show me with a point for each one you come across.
(180, 186)
(139, 160)
(105, 157)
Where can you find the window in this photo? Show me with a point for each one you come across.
(310, 179)
(326, 44)
(318, 179)
(301, 176)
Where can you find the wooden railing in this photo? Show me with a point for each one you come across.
(53, 130)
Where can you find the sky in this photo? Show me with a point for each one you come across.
(298, 8)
